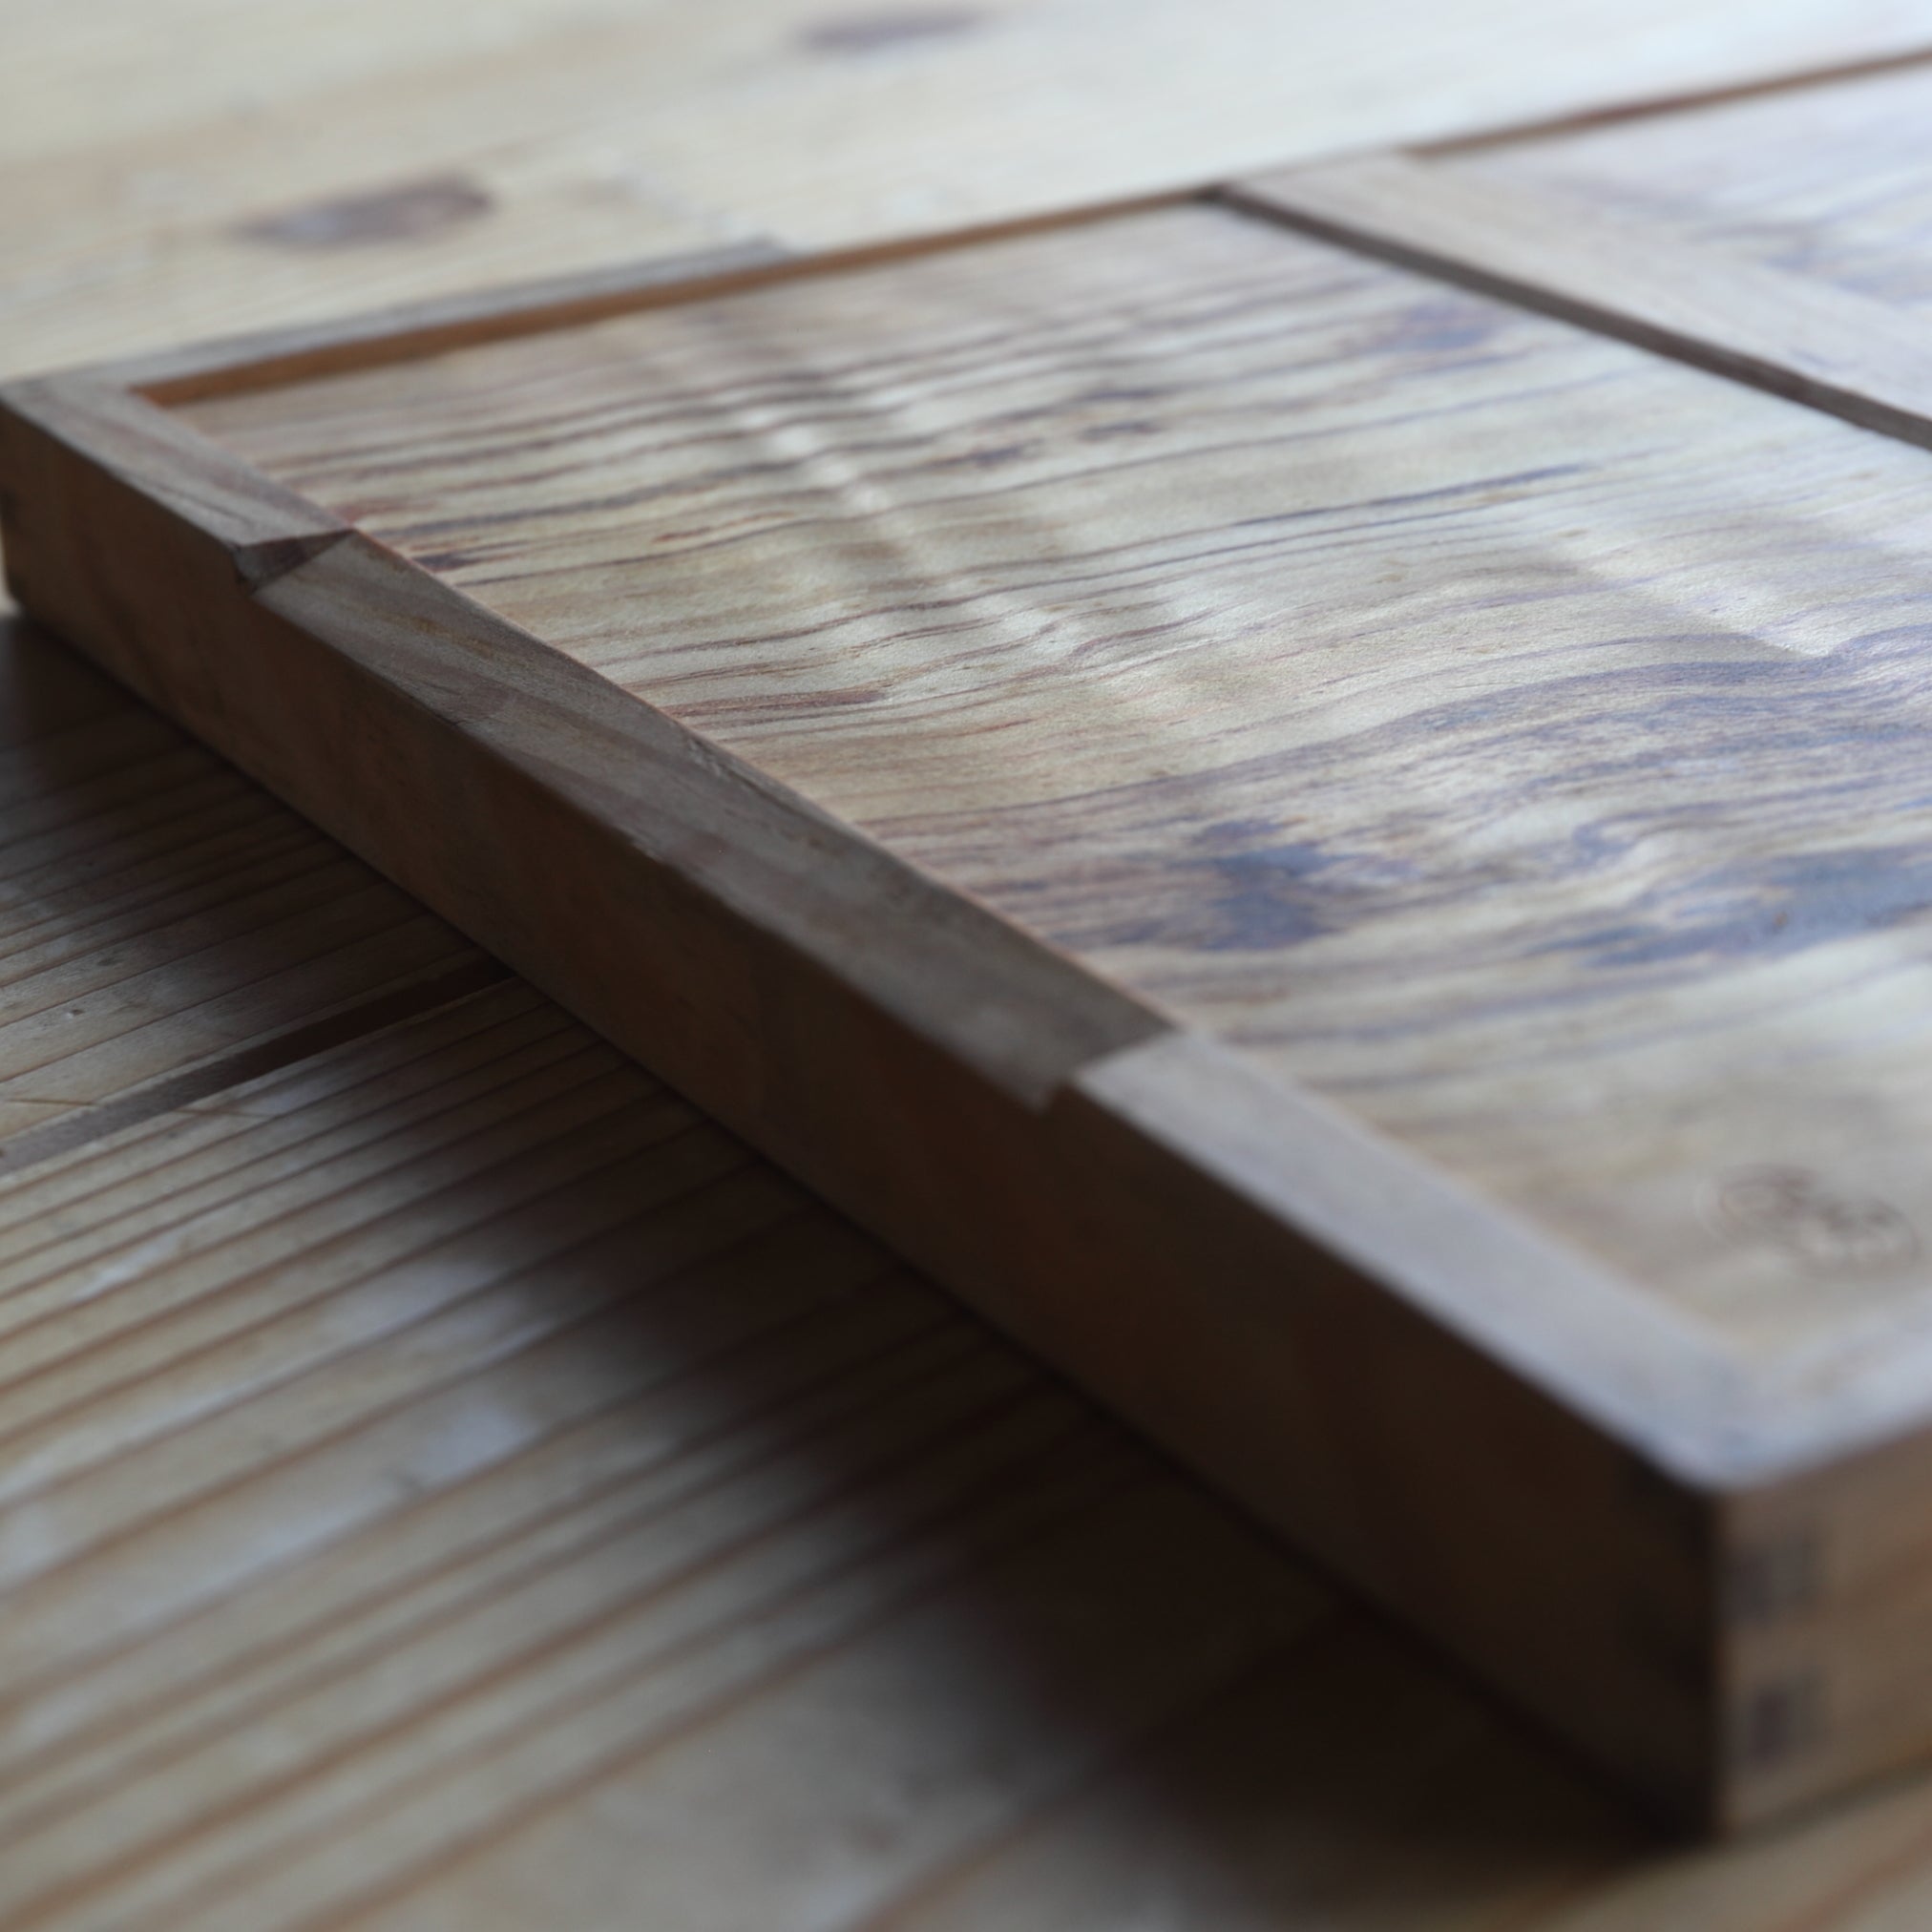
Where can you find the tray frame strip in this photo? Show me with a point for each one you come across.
(1802, 340)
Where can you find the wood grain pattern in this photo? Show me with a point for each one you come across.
(411, 1451)
(1061, 593)
(181, 167)
(1043, 562)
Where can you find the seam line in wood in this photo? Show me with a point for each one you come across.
(1823, 348)
(344, 1026)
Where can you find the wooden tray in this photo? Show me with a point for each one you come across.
(1345, 858)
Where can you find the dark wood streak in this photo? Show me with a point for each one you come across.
(408, 212)
(874, 32)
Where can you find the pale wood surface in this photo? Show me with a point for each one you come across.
(455, 1439)
(168, 170)
(1044, 563)
(1826, 181)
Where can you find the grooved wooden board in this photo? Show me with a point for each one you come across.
(416, 1452)
(1285, 826)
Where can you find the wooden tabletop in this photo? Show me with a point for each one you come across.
(450, 1481)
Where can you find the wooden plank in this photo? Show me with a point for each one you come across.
(448, 1426)
(801, 57)
(478, 1493)
(1340, 1780)
(970, 570)
(305, 160)
(1777, 240)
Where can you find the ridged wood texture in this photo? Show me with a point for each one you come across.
(455, 1487)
